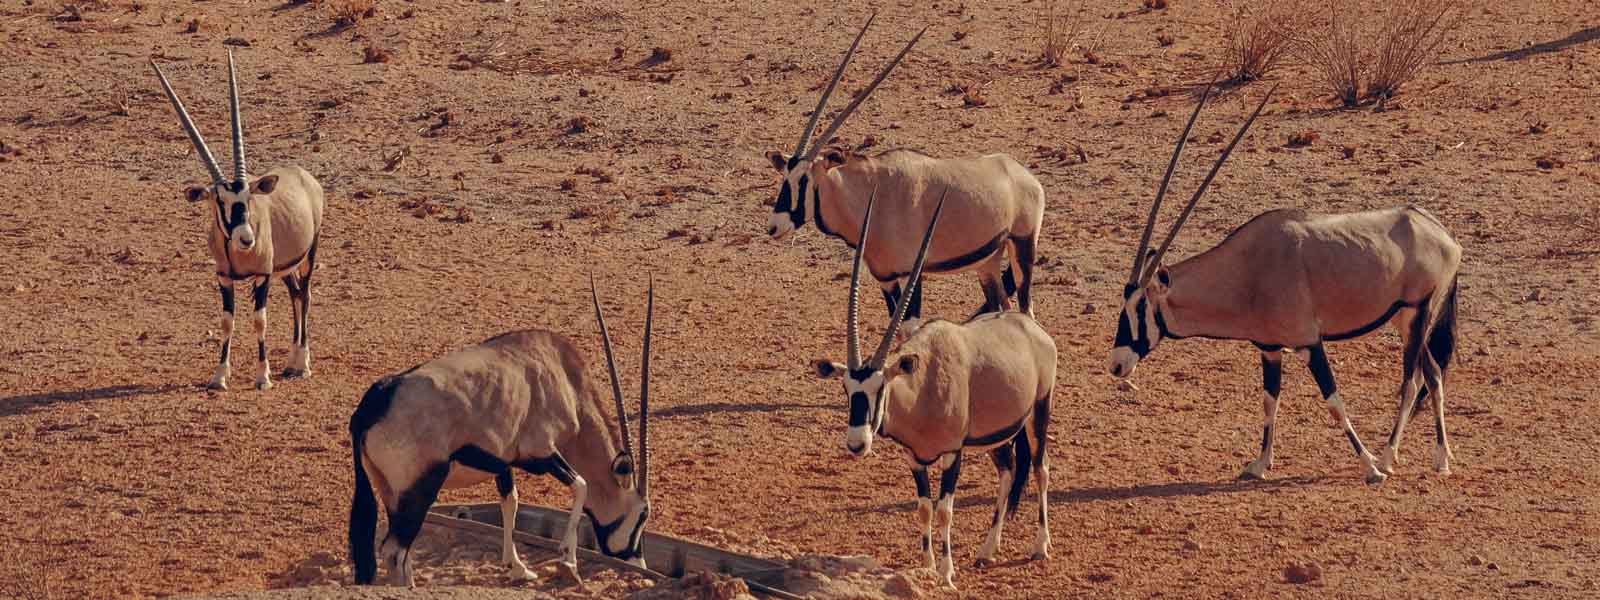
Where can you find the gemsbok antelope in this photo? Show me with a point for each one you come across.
(980, 385)
(521, 399)
(1289, 279)
(263, 227)
(996, 206)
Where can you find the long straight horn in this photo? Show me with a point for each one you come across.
(854, 310)
(611, 367)
(1176, 225)
(828, 91)
(644, 394)
(911, 286)
(238, 127)
(1161, 192)
(188, 125)
(850, 108)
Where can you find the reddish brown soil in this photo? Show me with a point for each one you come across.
(123, 478)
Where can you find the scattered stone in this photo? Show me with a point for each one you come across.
(1088, 309)
(1302, 573)
(1475, 560)
(1192, 545)
(901, 586)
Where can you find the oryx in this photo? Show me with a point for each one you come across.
(521, 399)
(980, 385)
(262, 227)
(996, 206)
(1289, 279)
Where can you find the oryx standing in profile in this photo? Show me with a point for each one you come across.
(1288, 279)
(521, 399)
(262, 227)
(983, 385)
(996, 206)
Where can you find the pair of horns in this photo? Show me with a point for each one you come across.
(850, 108)
(1150, 266)
(199, 142)
(854, 343)
(643, 458)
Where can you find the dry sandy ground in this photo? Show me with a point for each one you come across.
(122, 478)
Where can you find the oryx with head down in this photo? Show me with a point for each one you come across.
(261, 227)
(518, 400)
(982, 385)
(996, 206)
(1289, 279)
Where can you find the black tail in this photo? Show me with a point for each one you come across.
(1442, 340)
(363, 505)
(1019, 472)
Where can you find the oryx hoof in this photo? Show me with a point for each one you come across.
(1249, 475)
(1388, 462)
(1375, 477)
(983, 563)
(1041, 556)
(218, 384)
(570, 571)
(263, 384)
(293, 373)
(520, 572)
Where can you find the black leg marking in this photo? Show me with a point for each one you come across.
(947, 479)
(1005, 459)
(915, 310)
(891, 297)
(227, 309)
(1415, 339)
(1355, 444)
(260, 295)
(920, 475)
(553, 465)
(405, 522)
(1322, 372)
(1025, 248)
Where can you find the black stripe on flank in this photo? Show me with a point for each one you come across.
(998, 436)
(959, 262)
(1366, 329)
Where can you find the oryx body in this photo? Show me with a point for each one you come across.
(261, 228)
(521, 399)
(1289, 279)
(997, 207)
(982, 385)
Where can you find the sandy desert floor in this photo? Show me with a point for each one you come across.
(123, 477)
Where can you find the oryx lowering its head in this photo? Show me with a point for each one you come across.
(983, 385)
(1288, 279)
(261, 227)
(517, 400)
(996, 206)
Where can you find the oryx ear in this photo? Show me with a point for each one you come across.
(195, 192)
(908, 364)
(622, 470)
(1157, 289)
(779, 162)
(828, 369)
(832, 158)
(265, 185)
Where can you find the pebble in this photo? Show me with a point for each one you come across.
(1192, 545)
(1306, 573)
(1475, 560)
(901, 586)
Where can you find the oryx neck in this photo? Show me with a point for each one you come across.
(833, 204)
(590, 453)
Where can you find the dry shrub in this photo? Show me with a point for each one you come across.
(374, 55)
(1411, 37)
(1061, 32)
(1334, 46)
(349, 13)
(1256, 33)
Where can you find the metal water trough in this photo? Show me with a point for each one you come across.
(667, 557)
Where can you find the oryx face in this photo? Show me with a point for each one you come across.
(236, 208)
(789, 211)
(623, 539)
(864, 389)
(1139, 328)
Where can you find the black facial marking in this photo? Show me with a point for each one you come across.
(603, 531)
(793, 201)
(858, 409)
(236, 215)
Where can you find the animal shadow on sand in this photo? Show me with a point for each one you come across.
(26, 403)
(1577, 37)
(1104, 494)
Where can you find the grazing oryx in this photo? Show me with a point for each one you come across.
(981, 385)
(519, 399)
(996, 205)
(1292, 279)
(263, 227)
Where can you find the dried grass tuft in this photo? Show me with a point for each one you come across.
(1411, 36)
(1257, 35)
(1060, 34)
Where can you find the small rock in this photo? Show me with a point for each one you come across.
(901, 586)
(1146, 530)
(1493, 567)
(1535, 295)
(1300, 574)
(1088, 309)
(1475, 560)
(1192, 545)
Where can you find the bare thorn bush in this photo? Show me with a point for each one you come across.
(1257, 35)
(1334, 45)
(1060, 34)
(350, 13)
(1411, 36)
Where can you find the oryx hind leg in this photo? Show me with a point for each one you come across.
(1025, 251)
(476, 458)
(1041, 473)
(1005, 464)
(1433, 378)
(919, 473)
(405, 522)
(298, 366)
(1410, 322)
(219, 377)
(945, 515)
(1323, 372)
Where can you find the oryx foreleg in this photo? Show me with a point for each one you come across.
(1271, 385)
(1433, 377)
(477, 458)
(557, 467)
(259, 322)
(946, 514)
(924, 510)
(892, 290)
(219, 378)
(405, 522)
(1336, 408)
(1005, 464)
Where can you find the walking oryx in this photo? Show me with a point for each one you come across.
(977, 385)
(1292, 279)
(995, 204)
(520, 399)
(263, 227)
